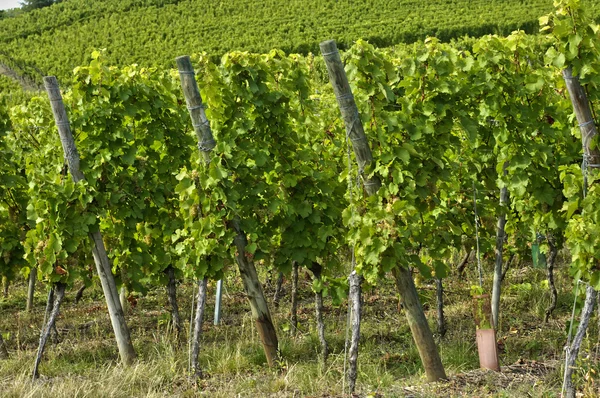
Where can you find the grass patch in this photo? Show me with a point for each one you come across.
(85, 362)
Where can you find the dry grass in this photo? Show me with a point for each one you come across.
(85, 362)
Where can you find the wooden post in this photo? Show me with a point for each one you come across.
(31, 288)
(252, 286)
(256, 297)
(172, 297)
(60, 294)
(406, 287)
(101, 259)
(441, 319)
(317, 271)
(49, 307)
(497, 284)
(198, 321)
(583, 113)
(350, 115)
(591, 159)
(294, 309)
(573, 351)
(550, 275)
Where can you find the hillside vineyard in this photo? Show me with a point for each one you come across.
(264, 175)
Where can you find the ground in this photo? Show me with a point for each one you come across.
(85, 360)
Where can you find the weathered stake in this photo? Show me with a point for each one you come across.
(294, 309)
(364, 157)
(103, 266)
(198, 321)
(441, 319)
(355, 301)
(550, 275)
(317, 270)
(360, 145)
(419, 327)
(252, 286)
(573, 352)
(591, 158)
(497, 284)
(31, 288)
(49, 307)
(172, 297)
(60, 294)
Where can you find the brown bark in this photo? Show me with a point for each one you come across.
(418, 325)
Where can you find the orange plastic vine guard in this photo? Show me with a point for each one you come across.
(486, 335)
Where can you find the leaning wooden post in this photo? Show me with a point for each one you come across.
(591, 159)
(101, 259)
(404, 282)
(252, 286)
(60, 294)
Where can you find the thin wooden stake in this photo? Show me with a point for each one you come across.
(497, 284)
(31, 289)
(60, 294)
(198, 323)
(550, 275)
(172, 297)
(294, 309)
